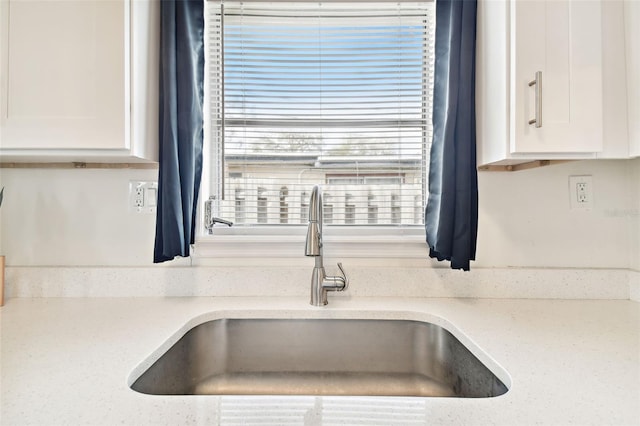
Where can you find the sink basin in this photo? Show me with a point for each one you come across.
(319, 357)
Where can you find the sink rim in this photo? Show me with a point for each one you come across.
(420, 316)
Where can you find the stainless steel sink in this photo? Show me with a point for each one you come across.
(319, 357)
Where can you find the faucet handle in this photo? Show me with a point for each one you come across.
(215, 220)
(344, 277)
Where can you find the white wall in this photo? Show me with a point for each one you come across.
(634, 215)
(526, 220)
(80, 217)
(74, 217)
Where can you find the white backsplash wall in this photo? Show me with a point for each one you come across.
(634, 215)
(526, 220)
(74, 217)
(80, 218)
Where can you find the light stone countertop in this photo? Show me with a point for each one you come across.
(69, 361)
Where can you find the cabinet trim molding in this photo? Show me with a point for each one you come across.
(78, 165)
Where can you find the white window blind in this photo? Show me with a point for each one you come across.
(337, 94)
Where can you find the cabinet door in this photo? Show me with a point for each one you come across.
(63, 72)
(632, 39)
(562, 40)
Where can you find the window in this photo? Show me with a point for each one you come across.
(396, 210)
(304, 206)
(239, 211)
(284, 207)
(327, 201)
(262, 204)
(303, 93)
(372, 210)
(349, 210)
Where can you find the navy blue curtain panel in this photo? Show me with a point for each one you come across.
(451, 215)
(181, 125)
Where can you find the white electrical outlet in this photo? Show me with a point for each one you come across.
(138, 197)
(143, 196)
(581, 192)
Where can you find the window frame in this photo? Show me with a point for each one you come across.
(264, 243)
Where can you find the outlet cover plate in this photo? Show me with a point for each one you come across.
(143, 196)
(581, 192)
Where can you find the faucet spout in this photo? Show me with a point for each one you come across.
(320, 282)
(315, 205)
(313, 246)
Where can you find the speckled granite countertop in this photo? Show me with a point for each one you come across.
(69, 361)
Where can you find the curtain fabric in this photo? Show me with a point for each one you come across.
(451, 216)
(181, 125)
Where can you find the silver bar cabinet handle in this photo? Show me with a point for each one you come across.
(538, 83)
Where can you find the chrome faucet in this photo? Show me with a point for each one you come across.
(320, 282)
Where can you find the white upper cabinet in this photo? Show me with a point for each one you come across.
(78, 80)
(560, 41)
(539, 81)
(632, 38)
(614, 82)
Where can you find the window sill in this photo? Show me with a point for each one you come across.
(339, 243)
